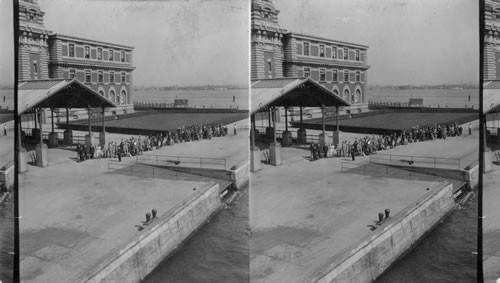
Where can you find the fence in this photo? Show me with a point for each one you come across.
(77, 139)
(374, 170)
(309, 138)
(141, 171)
(200, 162)
(395, 159)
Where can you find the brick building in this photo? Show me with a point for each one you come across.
(276, 53)
(104, 67)
(491, 63)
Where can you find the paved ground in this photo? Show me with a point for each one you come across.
(491, 225)
(304, 213)
(74, 213)
(6, 145)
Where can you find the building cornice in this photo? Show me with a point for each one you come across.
(324, 40)
(82, 65)
(56, 36)
(336, 64)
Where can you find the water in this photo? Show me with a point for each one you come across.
(197, 98)
(6, 98)
(446, 254)
(431, 97)
(218, 252)
(6, 241)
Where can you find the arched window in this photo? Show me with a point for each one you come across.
(118, 100)
(124, 97)
(336, 92)
(357, 97)
(101, 93)
(112, 95)
(346, 94)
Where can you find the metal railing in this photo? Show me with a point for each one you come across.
(396, 159)
(279, 133)
(141, 171)
(200, 162)
(493, 131)
(77, 139)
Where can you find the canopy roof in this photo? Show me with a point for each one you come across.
(58, 93)
(291, 92)
(491, 96)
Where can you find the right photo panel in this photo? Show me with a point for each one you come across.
(365, 130)
(491, 128)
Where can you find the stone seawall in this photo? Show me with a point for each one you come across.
(135, 261)
(367, 259)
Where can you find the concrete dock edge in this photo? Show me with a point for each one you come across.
(137, 259)
(372, 255)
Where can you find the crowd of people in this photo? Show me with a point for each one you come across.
(371, 144)
(137, 145)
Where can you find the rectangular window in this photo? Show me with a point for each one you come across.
(35, 67)
(346, 76)
(99, 53)
(358, 76)
(269, 66)
(111, 53)
(88, 76)
(321, 50)
(322, 76)
(346, 53)
(306, 49)
(71, 50)
(87, 52)
(72, 74)
(335, 76)
(123, 77)
(122, 58)
(334, 52)
(307, 72)
(111, 77)
(357, 55)
(100, 77)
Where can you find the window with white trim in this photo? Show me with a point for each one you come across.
(111, 53)
(357, 55)
(321, 50)
(358, 76)
(111, 77)
(123, 77)
(334, 52)
(71, 50)
(306, 48)
(346, 54)
(99, 53)
(87, 52)
(335, 76)
(100, 76)
(322, 75)
(346, 75)
(122, 57)
(88, 76)
(307, 72)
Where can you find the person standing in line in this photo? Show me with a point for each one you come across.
(5, 129)
(470, 129)
(235, 132)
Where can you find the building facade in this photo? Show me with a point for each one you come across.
(339, 66)
(491, 62)
(104, 67)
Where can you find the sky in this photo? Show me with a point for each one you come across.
(410, 41)
(6, 44)
(180, 42)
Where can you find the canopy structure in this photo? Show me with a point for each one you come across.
(491, 97)
(58, 93)
(291, 92)
(268, 94)
(36, 95)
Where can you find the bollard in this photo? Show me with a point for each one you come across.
(148, 217)
(154, 212)
(380, 217)
(387, 213)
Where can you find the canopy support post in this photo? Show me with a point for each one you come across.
(254, 150)
(88, 138)
(336, 134)
(41, 148)
(102, 134)
(301, 133)
(68, 134)
(322, 137)
(53, 138)
(274, 148)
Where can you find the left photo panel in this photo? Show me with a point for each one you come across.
(7, 226)
(134, 129)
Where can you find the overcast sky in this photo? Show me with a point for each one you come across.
(184, 42)
(411, 41)
(6, 43)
